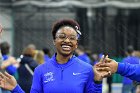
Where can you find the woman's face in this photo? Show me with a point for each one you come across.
(66, 41)
(138, 89)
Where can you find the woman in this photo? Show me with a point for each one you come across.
(27, 66)
(64, 72)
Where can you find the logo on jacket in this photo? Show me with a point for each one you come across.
(76, 74)
(48, 77)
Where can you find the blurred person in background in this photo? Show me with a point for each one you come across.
(32, 47)
(90, 55)
(81, 54)
(39, 56)
(47, 54)
(128, 83)
(136, 53)
(9, 64)
(5, 50)
(95, 58)
(27, 66)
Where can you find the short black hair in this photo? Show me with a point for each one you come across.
(5, 48)
(65, 22)
(46, 51)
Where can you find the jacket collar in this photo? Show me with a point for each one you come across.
(70, 61)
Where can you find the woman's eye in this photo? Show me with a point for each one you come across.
(62, 36)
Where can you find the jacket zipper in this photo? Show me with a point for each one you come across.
(62, 73)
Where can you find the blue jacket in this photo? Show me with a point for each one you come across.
(130, 60)
(17, 89)
(46, 58)
(129, 70)
(75, 76)
(10, 69)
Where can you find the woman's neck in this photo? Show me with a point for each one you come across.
(62, 59)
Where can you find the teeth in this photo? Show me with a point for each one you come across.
(65, 47)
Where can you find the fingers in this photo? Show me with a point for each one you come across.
(102, 58)
(108, 60)
(5, 75)
(106, 57)
(8, 75)
(1, 75)
(107, 74)
(2, 82)
(104, 65)
(100, 64)
(103, 69)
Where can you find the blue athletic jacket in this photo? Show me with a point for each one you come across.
(46, 58)
(130, 60)
(131, 71)
(10, 69)
(75, 76)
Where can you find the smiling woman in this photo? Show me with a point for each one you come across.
(65, 42)
(64, 72)
(68, 73)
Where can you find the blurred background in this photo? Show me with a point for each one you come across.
(107, 26)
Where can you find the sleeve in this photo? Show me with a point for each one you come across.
(131, 71)
(11, 69)
(124, 61)
(92, 87)
(17, 89)
(37, 86)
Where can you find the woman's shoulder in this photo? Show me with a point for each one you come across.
(82, 63)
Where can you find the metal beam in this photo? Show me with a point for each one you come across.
(116, 4)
